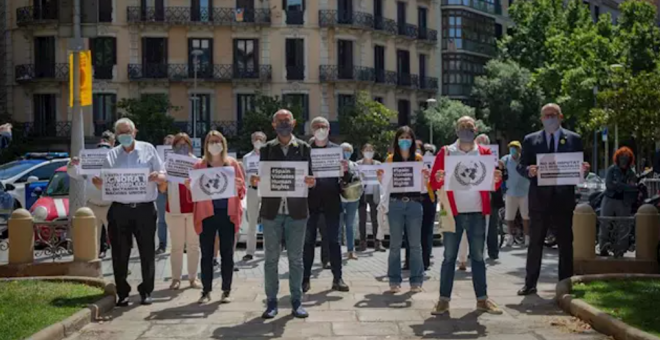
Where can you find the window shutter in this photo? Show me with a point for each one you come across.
(165, 50)
(144, 51)
(92, 48)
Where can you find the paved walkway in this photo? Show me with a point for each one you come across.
(366, 313)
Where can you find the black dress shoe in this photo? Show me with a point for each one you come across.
(160, 250)
(340, 286)
(306, 286)
(247, 257)
(122, 302)
(146, 299)
(527, 291)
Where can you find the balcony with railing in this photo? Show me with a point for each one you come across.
(43, 129)
(428, 84)
(296, 72)
(219, 16)
(488, 7)
(30, 15)
(339, 73)
(387, 78)
(351, 19)
(228, 128)
(407, 80)
(427, 35)
(208, 73)
(408, 31)
(385, 26)
(295, 17)
(34, 72)
(103, 72)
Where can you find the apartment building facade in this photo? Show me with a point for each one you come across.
(215, 55)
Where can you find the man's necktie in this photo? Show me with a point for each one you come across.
(551, 148)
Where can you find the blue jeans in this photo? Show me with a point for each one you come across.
(406, 215)
(161, 203)
(349, 211)
(294, 235)
(474, 225)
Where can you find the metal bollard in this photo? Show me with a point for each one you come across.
(647, 232)
(85, 236)
(21, 237)
(584, 233)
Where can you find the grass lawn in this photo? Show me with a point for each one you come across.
(634, 302)
(27, 307)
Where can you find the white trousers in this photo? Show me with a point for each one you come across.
(101, 214)
(183, 234)
(463, 247)
(253, 203)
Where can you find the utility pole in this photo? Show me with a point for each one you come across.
(196, 54)
(431, 102)
(77, 187)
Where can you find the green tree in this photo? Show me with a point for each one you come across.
(260, 118)
(638, 36)
(441, 118)
(508, 99)
(149, 113)
(367, 121)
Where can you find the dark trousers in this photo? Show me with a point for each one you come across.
(562, 224)
(493, 231)
(331, 237)
(124, 222)
(428, 222)
(218, 224)
(362, 211)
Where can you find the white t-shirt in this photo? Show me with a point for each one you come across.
(466, 201)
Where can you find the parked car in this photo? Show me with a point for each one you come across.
(33, 171)
(592, 184)
(52, 204)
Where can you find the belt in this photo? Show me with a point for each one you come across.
(134, 205)
(406, 199)
(253, 187)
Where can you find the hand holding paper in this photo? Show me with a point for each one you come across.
(254, 180)
(532, 170)
(310, 181)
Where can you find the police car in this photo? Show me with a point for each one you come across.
(34, 170)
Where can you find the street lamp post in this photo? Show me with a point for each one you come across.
(430, 103)
(196, 54)
(616, 67)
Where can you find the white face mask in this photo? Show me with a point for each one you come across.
(368, 154)
(215, 149)
(321, 134)
(258, 144)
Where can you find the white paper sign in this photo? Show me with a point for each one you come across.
(326, 163)
(368, 174)
(559, 168)
(404, 176)
(495, 150)
(251, 165)
(428, 162)
(470, 173)
(91, 161)
(163, 151)
(283, 179)
(178, 167)
(212, 183)
(125, 185)
(197, 146)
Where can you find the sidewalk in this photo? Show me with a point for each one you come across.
(366, 313)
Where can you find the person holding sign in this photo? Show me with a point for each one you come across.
(284, 216)
(404, 209)
(179, 217)
(467, 210)
(251, 167)
(324, 200)
(549, 206)
(160, 205)
(349, 205)
(218, 217)
(371, 197)
(132, 215)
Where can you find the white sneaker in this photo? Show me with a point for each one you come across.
(526, 240)
(509, 240)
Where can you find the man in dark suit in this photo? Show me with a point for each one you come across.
(550, 207)
(324, 200)
(286, 217)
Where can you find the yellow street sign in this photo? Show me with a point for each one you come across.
(85, 78)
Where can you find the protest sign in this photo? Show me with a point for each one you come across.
(178, 167)
(559, 168)
(470, 173)
(495, 150)
(91, 161)
(212, 183)
(283, 179)
(251, 165)
(327, 162)
(163, 151)
(125, 185)
(368, 174)
(404, 176)
(428, 162)
(197, 146)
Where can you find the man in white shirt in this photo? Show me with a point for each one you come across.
(253, 200)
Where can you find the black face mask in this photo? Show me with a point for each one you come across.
(623, 161)
(284, 129)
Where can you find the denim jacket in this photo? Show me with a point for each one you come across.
(617, 184)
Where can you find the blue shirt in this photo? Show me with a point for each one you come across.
(516, 185)
(556, 134)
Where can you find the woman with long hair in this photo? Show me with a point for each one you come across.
(405, 212)
(221, 217)
(179, 218)
(371, 197)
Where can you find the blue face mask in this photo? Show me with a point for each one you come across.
(405, 144)
(513, 151)
(347, 154)
(125, 140)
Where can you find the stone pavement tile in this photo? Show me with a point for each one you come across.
(428, 328)
(365, 328)
(382, 337)
(178, 331)
(388, 315)
(111, 331)
(332, 316)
